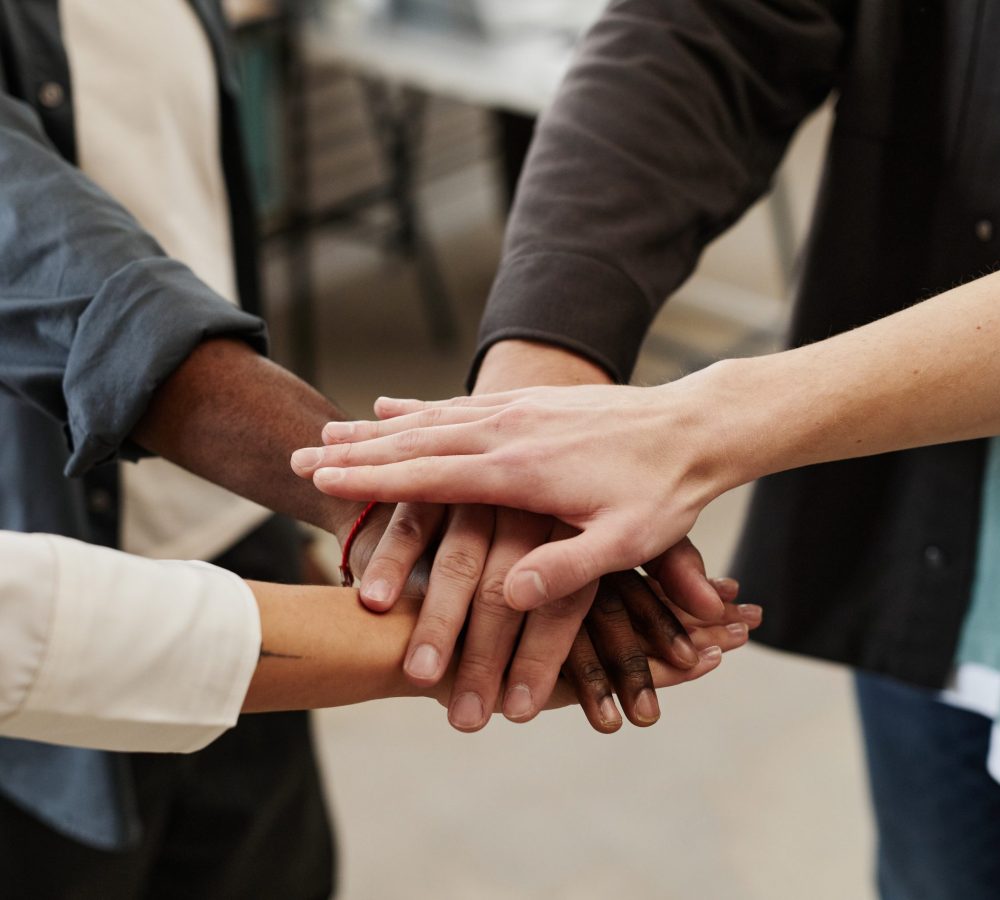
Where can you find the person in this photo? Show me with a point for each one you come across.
(669, 125)
(126, 233)
(79, 666)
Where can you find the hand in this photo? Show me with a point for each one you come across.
(473, 554)
(584, 679)
(600, 458)
(471, 561)
(631, 620)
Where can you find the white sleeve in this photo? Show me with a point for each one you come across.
(106, 650)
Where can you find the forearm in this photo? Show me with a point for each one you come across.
(320, 647)
(929, 374)
(510, 365)
(234, 417)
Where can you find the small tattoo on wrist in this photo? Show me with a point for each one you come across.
(265, 653)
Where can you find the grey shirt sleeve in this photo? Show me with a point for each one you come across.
(94, 316)
(669, 125)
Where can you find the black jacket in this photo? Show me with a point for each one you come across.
(670, 124)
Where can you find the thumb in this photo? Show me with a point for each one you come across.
(563, 567)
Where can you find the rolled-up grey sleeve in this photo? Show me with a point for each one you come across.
(93, 314)
(669, 125)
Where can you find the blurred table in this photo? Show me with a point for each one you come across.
(514, 71)
(519, 73)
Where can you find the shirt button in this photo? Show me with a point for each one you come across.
(99, 501)
(984, 230)
(51, 95)
(934, 557)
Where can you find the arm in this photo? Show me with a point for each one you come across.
(81, 664)
(180, 371)
(232, 416)
(926, 375)
(668, 126)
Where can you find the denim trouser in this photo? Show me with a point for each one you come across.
(937, 809)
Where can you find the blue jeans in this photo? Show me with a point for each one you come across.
(937, 809)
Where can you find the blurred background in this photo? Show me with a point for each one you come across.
(385, 139)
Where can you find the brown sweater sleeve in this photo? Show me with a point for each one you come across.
(669, 125)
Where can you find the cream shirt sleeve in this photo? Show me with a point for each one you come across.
(106, 650)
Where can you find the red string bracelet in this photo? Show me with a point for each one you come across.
(346, 575)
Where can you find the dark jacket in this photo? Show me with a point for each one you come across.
(93, 318)
(670, 124)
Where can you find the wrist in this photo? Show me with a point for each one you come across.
(747, 418)
(510, 365)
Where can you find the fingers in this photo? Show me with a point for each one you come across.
(652, 617)
(410, 531)
(729, 635)
(680, 571)
(452, 479)
(584, 670)
(411, 443)
(455, 573)
(493, 626)
(611, 632)
(354, 432)
(668, 676)
(390, 407)
(548, 635)
(563, 567)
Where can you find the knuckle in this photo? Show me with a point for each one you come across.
(407, 442)
(439, 622)
(459, 565)
(494, 618)
(490, 595)
(609, 603)
(406, 529)
(514, 417)
(431, 416)
(591, 674)
(478, 668)
(632, 662)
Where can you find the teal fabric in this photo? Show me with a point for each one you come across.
(980, 640)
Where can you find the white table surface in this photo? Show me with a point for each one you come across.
(519, 73)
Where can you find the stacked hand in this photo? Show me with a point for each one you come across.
(475, 548)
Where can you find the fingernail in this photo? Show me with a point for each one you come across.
(738, 629)
(424, 662)
(467, 711)
(710, 654)
(307, 458)
(609, 713)
(685, 650)
(376, 592)
(750, 612)
(517, 704)
(646, 707)
(329, 476)
(527, 590)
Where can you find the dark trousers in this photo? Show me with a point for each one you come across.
(937, 809)
(243, 818)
